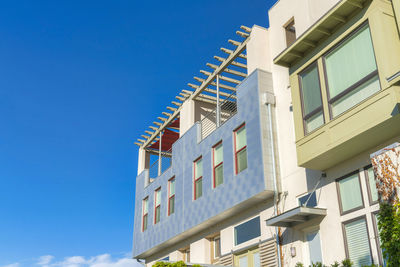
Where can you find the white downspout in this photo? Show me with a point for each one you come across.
(274, 178)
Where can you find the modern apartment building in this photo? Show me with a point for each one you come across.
(266, 162)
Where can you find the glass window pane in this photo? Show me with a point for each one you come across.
(311, 91)
(218, 156)
(314, 246)
(350, 193)
(241, 138)
(172, 205)
(247, 231)
(256, 259)
(242, 160)
(350, 62)
(172, 187)
(358, 243)
(219, 175)
(362, 92)
(314, 122)
(311, 198)
(145, 206)
(199, 188)
(158, 209)
(199, 168)
(144, 222)
(217, 247)
(372, 184)
(158, 197)
(243, 261)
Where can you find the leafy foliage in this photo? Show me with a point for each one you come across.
(389, 232)
(170, 264)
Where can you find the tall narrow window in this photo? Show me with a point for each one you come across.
(171, 196)
(352, 75)
(313, 115)
(371, 182)
(157, 205)
(218, 165)
(217, 247)
(290, 32)
(350, 193)
(198, 178)
(357, 242)
(240, 149)
(145, 216)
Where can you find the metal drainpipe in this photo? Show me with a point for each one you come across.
(275, 182)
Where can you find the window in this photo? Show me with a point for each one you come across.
(247, 231)
(290, 32)
(240, 149)
(314, 246)
(186, 255)
(350, 197)
(249, 258)
(171, 196)
(218, 165)
(375, 218)
(198, 178)
(157, 205)
(313, 116)
(357, 242)
(351, 71)
(215, 242)
(145, 216)
(371, 184)
(309, 200)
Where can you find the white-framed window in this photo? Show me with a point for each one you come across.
(171, 196)
(145, 213)
(157, 205)
(198, 178)
(240, 143)
(218, 164)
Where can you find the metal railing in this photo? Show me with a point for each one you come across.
(162, 164)
(218, 116)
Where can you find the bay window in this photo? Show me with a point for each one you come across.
(313, 116)
(240, 144)
(351, 71)
(171, 196)
(218, 165)
(157, 205)
(198, 178)
(145, 207)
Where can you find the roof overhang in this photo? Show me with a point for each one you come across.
(337, 16)
(296, 216)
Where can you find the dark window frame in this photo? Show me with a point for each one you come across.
(356, 84)
(376, 230)
(196, 179)
(346, 246)
(317, 110)
(170, 196)
(157, 206)
(219, 164)
(240, 149)
(338, 193)
(371, 202)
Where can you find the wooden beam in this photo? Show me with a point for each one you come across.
(224, 86)
(227, 79)
(309, 43)
(166, 114)
(234, 72)
(176, 103)
(323, 30)
(229, 52)
(237, 73)
(180, 98)
(187, 92)
(339, 18)
(153, 128)
(141, 140)
(161, 118)
(138, 144)
(296, 54)
(247, 29)
(242, 34)
(194, 86)
(157, 123)
(234, 63)
(212, 66)
(236, 43)
(171, 108)
(212, 91)
(145, 136)
(185, 95)
(148, 132)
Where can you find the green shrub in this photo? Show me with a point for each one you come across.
(175, 264)
(347, 263)
(299, 264)
(335, 264)
(389, 233)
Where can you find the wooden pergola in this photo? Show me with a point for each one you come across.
(218, 83)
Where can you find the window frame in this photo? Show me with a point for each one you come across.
(196, 179)
(235, 235)
(219, 164)
(338, 192)
(145, 201)
(170, 196)
(317, 110)
(376, 231)
(157, 206)
(371, 202)
(354, 86)
(346, 245)
(239, 150)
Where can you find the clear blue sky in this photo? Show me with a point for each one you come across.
(79, 82)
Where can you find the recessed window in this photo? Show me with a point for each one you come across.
(186, 254)
(309, 200)
(218, 165)
(357, 242)
(171, 196)
(247, 231)
(351, 71)
(157, 205)
(290, 32)
(198, 178)
(145, 207)
(313, 115)
(240, 149)
(350, 193)
(215, 248)
(371, 181)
